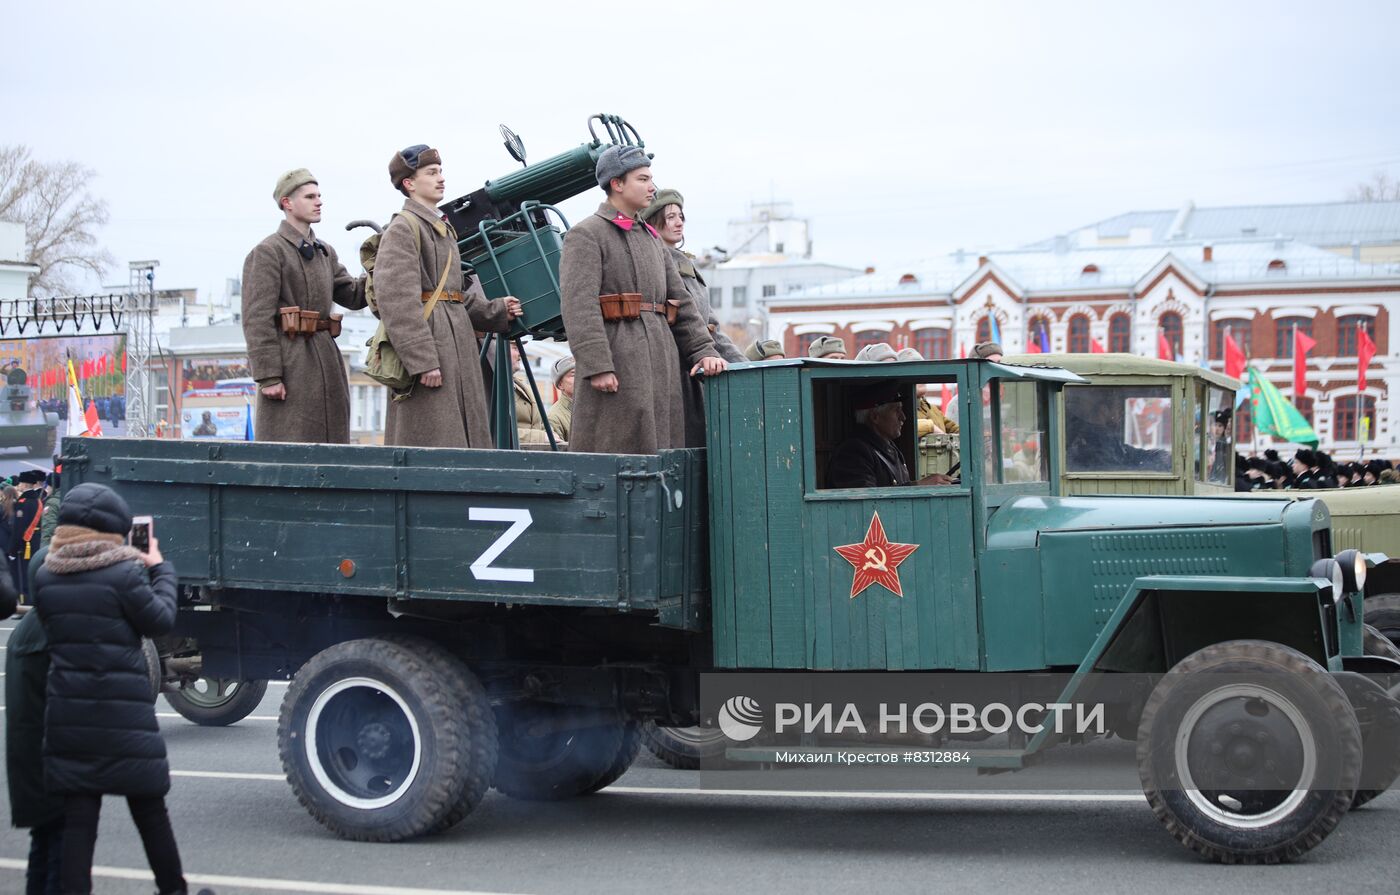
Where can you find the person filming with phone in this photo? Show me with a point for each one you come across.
(104, 585)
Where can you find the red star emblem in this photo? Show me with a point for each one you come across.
(876, 559)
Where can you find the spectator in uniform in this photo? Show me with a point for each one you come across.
(562, 412)
(987, 351)
(666, 214)
(303, 394)
(446, 407)
(633, 327)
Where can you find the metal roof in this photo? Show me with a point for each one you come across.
(1321, 223)
(1122, 365)
(1118, 267)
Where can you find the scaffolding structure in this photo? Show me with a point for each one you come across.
(140, 345)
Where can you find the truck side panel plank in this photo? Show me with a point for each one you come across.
(748, 448)
(783, 432)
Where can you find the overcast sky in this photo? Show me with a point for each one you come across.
(901, 131)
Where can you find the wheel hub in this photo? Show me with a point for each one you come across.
(375, 740)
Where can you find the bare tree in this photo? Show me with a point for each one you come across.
(59, 215)
(1380, 188)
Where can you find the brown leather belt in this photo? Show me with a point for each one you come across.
(454, 297)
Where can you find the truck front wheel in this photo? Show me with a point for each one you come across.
(1382, 762)
(1383, 613)
(215, 702)
(1249, 752)
(387, 739)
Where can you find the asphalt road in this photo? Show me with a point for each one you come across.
(241, 831)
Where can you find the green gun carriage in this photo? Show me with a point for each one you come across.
(453, 620)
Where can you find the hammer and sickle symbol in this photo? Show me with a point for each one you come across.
(877, 559)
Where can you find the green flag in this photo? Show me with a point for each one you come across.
(1274, 414)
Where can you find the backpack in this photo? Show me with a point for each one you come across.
(382, 362)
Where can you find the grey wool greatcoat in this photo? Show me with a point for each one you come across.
(692, 391)
(455, 414)
(317, 406)
(609, 253)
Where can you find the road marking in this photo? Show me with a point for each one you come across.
(229, 775)
(35, 465)
(246, 718)
(887, 796)
(262, 883)
(787, 794)
(278, 683)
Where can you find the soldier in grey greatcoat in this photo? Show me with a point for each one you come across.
(446, 407)
(667, 215)
(302, 390)
(633, 403)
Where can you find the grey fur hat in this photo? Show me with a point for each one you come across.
(562, 367)
(616, 161)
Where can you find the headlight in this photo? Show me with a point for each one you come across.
(1353, 565)
(1331, 570)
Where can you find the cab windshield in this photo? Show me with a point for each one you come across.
(1121, 428)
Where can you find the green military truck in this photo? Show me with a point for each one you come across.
(1169, 418)
(454, 620)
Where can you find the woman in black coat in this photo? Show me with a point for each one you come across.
(97, 597)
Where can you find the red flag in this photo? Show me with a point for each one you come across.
(947, 398)
(123, 362)
(1365, 350)
(1302, 344)
(1234, 357)
(1096, 347)
(1164, 348)
(94, 422)
(1032, 346)
(102, 365)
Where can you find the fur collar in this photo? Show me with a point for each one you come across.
(79, 549)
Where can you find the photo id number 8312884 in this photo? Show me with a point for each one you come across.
(927, 756)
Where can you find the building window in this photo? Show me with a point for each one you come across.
(984, 330)
(1305, 407)
(1283, 334)
(870, 337)
(1346, 333)
(1170, 323)
(1239, 330)
(716, 297)
(804, 342)
(1037, 329)
(160, 377)
(933, 344)
(741, 296)
(1351, 409)
(1079, 334)
(1120, 333)
(795, 287)
(770, 291)
(1244, 424)
(1277, 266)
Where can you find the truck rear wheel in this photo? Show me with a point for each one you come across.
(626, 754)
(1382, 759)
(217, 702)
(685, 748)
(561, 762)
(1383, 613)
(1249, 752)
(387, 739)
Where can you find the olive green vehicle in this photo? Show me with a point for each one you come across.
(24, 424)
(1158, 408)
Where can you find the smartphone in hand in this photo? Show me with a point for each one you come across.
(142, 527)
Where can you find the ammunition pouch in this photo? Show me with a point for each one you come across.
(296, 322)
(629, 306)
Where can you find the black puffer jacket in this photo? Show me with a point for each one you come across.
(100, 732)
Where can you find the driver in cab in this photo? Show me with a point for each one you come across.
(869, 458)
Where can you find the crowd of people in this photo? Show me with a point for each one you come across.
(1310, 469)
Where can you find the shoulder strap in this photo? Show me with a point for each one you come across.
(34, 523)
(446, 268)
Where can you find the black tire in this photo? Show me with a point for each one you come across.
(557, 764)
(387, 739)
(1382, 760)
(1225, 696)
(1383, 614)
(155, 671)
(685, 748)
(626, 754)
(213, 702)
